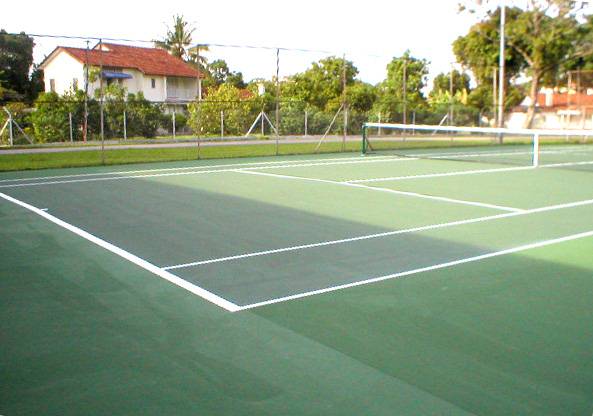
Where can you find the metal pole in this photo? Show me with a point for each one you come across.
(277, 99)
(501, 66)
(405, 90)
(263, 126)
(70, 124)
(494, 92)
(86, 94)
(199, 73)
(536, 150)
(125, 126)
(10, 132)
(101, 102)
(222, 124)
(344, 102)
(451, 97)
(173, 117)
(199, 127)
(306, 121)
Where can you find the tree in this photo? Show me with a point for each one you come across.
(542, 34)
(221, 74)
(321, 86)
(204, 117)
(407, 71)
(16, 58)
(178, 38)
(443, 82)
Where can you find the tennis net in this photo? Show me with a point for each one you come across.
(523, 147)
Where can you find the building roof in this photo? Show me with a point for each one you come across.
(560, 100)
(150, 61)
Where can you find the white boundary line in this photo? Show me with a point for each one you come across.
(422, 269)
(440, 175)
(211, 297)
(384, 234)
(201, 172)
(212, 166)
(469, 172)
(391, 191)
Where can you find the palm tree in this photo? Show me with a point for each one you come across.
(178, 38)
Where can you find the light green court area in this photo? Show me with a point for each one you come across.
(419, 293)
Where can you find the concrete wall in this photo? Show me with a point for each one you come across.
(552, 120)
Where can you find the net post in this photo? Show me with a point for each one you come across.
(535, 150)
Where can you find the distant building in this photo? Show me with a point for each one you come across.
(557, 109)
(160, 76)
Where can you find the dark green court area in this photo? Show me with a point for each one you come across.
(300, 285)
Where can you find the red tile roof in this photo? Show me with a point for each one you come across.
(150, 61)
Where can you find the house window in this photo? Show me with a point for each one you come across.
(75, 84)
(153, 83)
(52, 85)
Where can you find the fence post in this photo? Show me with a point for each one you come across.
(173, 116)
(306, 122)
(125, 126)
(70, 124)
(10, 129)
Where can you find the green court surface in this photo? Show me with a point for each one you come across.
(299, 285)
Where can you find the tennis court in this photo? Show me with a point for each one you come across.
(324, 284)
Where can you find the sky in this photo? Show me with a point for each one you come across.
(370, 33)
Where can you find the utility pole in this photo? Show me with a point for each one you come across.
(86, 94)
(501, 69)
(405, 89)
(277, 98)
(344, 102)
(101, 102)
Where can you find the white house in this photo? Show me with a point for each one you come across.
(160, 76)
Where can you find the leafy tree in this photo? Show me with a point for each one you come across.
(16, 58)
(360, 96)
(442, 83)
(540, 36)
(391, 99)
(143, 116)
(220, 74)
(50, 118)
(204, 117)
(321, 86)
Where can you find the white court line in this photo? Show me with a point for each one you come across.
(201, 172)
(228, 165)
(422, 269)
(386, 190)
(211, 297)
(440, 175)
(384, 234)
(468, 172)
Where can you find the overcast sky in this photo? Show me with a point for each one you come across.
(369, 32)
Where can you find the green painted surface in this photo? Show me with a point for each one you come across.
(86, 332)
